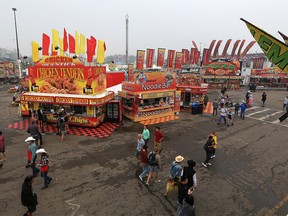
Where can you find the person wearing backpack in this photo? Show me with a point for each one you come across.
(175, 173)
(208, 147)
(190, 173)
(154, 162)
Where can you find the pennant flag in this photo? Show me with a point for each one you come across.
(194, 44)
(139, 59)
(224, 53)
(215, 54)
(55, 41)
(100, 52)
(82, 44)
(240, 48)
(65, 41)
(247, 49)
(45, 44)
(77, 43)
(178, 60)
(171, 56)
(275, 50)
(90, 51)
(150, 58)
(212, 45)
(71, 44)
(94, 41)
(61, 46)
(234, 48)
(161, 57)
(35, 51)
(285, 38)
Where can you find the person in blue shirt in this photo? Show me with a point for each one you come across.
(243, 109)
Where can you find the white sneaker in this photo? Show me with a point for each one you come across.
(209, 164)
(213, 156)
(140, 178)
(204, 165)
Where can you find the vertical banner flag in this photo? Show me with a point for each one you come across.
(71, 44)
(150, 58)
(100, 52)
(77, 43)
(90, 47)
(185, 56)
(192, 55)
(82, 44)
(161, 57)
(275, 50)
(224, 53)
(215, 54)
(258, 63)
(206, 57)
(171, 56)
(234, 48)
(65, 41)
(178, 60)
(285, 38)
(35, 51)
(130, 73)
(61, 46)
(140, 59)
(94, 42)
(45, 45)
(55, 41)
(194, 44)
(247, 49)
(240, 48)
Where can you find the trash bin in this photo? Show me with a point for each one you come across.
(200, 108)
(194, 108)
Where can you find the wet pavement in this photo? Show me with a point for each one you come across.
(94, 176)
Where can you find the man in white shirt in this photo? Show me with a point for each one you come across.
(223, 114)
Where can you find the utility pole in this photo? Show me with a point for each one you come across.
(18, 54)
(127, 23)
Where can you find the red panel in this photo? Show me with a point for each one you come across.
(114, 78)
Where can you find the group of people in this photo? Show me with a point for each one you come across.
(150, 161)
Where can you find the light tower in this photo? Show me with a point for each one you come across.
(127, 23)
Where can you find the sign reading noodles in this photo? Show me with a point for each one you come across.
(68, 77)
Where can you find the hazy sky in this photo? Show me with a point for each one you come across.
(152, 23)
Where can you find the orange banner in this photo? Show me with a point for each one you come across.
(31, 98)
(161, 57)
(130, 73)
(150, 58)
(64, 75)
(171, 56)
(140, 59)
(178, 60)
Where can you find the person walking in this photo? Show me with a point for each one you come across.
(264, 97)
(62, 129)
(208, 147)
(32, 147)
(243, 109)
(154, 162)
(223, 114)
(158, 137)
(2, 147)
(144, 161)
(146, 134)
(230, 118)
(236, 108)
(140, 144)
(190, 173)
(28, 198)
(34, 132)
(44, 167)
(215, 107)
(285, 102)
(175, 173)
(214, 136)
(187, 208)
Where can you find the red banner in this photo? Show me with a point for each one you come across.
(194, 57)
(161, 57)
(45, 44)
(150, 58)
(224, 53)
(171, 56)
(234, 48)
(178, 60)
(206, 57)
(130, 73)
(215, 54)
(185, 57)
(177, 101)
(140, 59)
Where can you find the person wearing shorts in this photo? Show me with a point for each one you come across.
(158, 137)
(154, 168)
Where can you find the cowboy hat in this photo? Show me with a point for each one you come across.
(29, 139)
(40, 151)
(179, 159)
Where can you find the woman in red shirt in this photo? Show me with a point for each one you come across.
(2, 146)
(158, 139)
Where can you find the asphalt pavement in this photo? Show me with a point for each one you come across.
(93, 176)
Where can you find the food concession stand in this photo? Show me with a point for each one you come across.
(58, 82)
(221, 74)
(150, 94)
